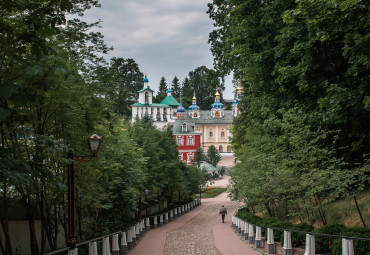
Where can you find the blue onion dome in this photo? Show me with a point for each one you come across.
(218, 105)
(169, 90)
(145, 79)
(193, 107)
(235, 101)
(180, 108)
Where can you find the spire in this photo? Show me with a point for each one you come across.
(146, 81)
(217, 94)
(217, 106)
(181, 111)
(194, 108)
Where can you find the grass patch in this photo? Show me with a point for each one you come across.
(344, 210)
(212, 192)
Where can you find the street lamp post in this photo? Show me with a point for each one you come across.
(94, 144)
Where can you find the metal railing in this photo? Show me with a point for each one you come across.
(131, 235)
(248, 231)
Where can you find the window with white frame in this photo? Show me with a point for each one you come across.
(190, 140)
(179, 141)
(210, 132)
(184, 127)
(190, 157)
(180, 157)
(222, 133)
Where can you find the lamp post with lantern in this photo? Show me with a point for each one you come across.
(94, 144)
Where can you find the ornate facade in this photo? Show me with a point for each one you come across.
(192, 128)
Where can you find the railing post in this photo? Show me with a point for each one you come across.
(251, 234)
(310, 245)
(142, 226)
(288, 250)
(270, 241)
(93, 249)
(106, 248)
(115, 245)
(161, 220)
(137, 229)
(73, 251)
(123, 248)
(133, 235)
(171, 215)
(129, 239)
(147, 225)
(242, 225)
(347, 247)
(155, 221)
(258, 237)
(246, 227)
(166, 218)
(239, 226)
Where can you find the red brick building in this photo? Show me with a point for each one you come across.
(186, 139)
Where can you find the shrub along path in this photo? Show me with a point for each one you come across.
(200, 231)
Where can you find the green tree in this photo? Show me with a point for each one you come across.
(186, 93)
(176, 88)
(304, 73)
(199, 155)
(125, 79)
(204, 81)
(162, 91)
(213, 155)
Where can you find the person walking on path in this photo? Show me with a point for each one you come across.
(223, 212)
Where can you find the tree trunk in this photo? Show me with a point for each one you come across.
(359, 212)
(56, 229)
(268, 209)
(8, 250)
(32, 228)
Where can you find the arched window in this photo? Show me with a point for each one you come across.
(222, 133)
(164, 114)
(184, 128)
(146, 98)
(228, 149)
(210, 133)
(220, 149)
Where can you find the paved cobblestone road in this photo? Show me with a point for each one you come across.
(199, 231)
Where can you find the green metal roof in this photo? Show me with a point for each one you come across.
(151, 105)
(142, 90)
(170, 100)
(208, 167)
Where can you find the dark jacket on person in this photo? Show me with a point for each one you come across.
(223, 211)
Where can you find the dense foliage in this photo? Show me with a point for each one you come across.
(303, 136)
(323, 244)
(56, 89)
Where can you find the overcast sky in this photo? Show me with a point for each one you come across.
(165, 37)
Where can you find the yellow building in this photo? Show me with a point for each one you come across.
(214, 124)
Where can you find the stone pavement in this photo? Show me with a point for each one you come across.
(199, 231)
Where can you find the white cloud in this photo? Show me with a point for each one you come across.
(165, 37)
